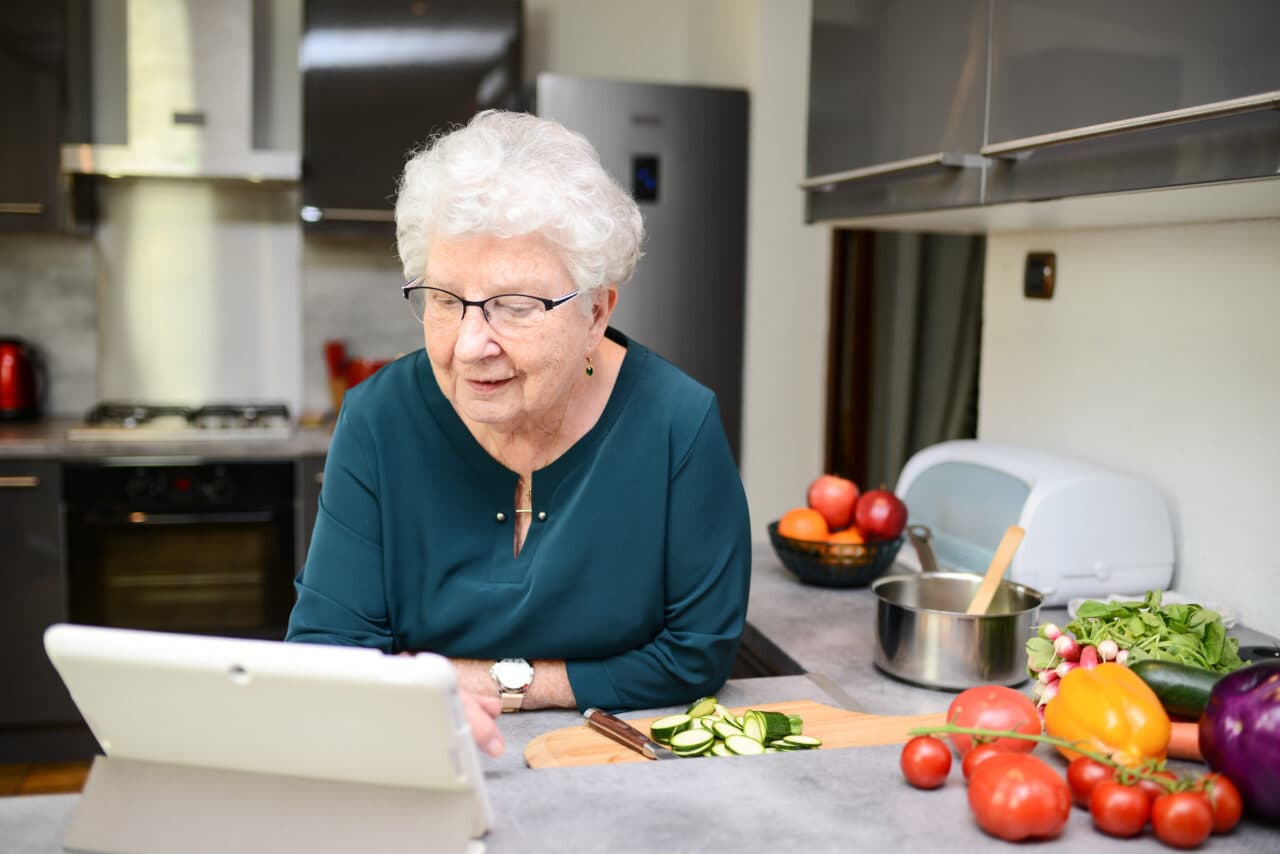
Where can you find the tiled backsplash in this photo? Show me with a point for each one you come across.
(48, 297)
(351, 293)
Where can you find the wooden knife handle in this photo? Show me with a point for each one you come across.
(620, 731)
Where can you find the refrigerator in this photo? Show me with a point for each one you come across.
(682, 153)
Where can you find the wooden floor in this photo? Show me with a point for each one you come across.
(53, 778)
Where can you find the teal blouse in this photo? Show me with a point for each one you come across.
(635, 569)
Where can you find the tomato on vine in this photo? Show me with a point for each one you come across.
(977, 756)
(1083, 774)
(1119, 810)
(1225, 800)
(1182, 819)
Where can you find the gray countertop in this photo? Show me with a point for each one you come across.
(833, 800)
(47, 439)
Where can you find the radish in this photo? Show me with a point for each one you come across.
(1066, 648)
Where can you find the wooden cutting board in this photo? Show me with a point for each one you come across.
(581, 745)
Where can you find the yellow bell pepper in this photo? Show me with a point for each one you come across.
(1108, 709)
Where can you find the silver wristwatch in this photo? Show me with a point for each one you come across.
(514, 676)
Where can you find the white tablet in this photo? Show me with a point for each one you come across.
(302, 710)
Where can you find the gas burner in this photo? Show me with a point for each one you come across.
(222, 416)
(130, 415)
(117, 421)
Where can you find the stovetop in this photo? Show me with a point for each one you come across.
(127, 421)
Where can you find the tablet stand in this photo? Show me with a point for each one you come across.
(144, 807)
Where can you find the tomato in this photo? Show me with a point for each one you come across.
(1082, 775)
(1017, 796)
(1119, 810)
(803, 523)
(834, 498)
(1154, 789)
(994, 707)
(926, 762)
(977, 756)
(1225, 799)
(1182, 819)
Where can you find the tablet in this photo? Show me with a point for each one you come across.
(323, 712)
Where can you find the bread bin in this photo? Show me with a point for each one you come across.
(1090, 531)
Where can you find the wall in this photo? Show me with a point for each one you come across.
(763, 46)
(47, 298)
(1157, 356)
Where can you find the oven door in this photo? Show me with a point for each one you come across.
(167, 565)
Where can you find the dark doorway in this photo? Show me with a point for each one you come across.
(903, 357)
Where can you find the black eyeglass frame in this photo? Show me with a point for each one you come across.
(415, 284)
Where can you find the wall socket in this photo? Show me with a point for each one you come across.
(1039, 275)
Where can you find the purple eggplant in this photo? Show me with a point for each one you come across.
(1240, 735)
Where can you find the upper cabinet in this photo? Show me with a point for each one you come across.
(32, 99)
(1095, 96)
(918, 106)
(379, 78)
(897, 94)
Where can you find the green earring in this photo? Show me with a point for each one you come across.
(590, 370)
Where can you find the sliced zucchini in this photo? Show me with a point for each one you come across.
(797, 724)
(704, 706)
(664, 728)
(692, 741)
(804, 742)
(724, 729)
(718, 749)
(742, 745)
(753, 726)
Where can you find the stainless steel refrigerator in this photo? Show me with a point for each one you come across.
(682, 152)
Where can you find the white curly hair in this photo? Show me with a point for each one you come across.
(511, 174)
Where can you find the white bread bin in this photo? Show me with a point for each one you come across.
(1089, 531)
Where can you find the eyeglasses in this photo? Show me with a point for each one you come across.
(508, 314)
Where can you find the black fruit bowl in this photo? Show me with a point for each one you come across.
(834, 564)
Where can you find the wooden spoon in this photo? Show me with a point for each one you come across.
(999, 563)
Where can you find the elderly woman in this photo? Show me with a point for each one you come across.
(534, 495)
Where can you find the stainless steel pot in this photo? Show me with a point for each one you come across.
(924, 636)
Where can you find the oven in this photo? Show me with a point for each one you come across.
(181, 544)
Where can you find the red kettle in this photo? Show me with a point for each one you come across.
(19, 388)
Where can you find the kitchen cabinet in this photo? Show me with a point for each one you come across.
(32, 56)
(379, 78)
(32, 592)
(897, 92)
(1075, 88)
(310, 479)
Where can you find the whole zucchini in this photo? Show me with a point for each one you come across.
(1183, 689)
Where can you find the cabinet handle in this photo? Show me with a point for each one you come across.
(947, 159)
(314, 214)
(24, 208)
(1202, 112)
(23, 481)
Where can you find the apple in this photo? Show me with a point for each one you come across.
(834, 497)
(880, 515)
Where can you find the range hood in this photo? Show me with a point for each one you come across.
(183, 74)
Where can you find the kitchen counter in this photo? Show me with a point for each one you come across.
(47, 439)
(833, 800)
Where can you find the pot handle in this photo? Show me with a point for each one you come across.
(921, 537)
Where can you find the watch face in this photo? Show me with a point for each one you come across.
(513, 674)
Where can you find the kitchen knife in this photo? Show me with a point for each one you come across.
(625, 734)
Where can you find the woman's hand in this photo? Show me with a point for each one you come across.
(482, 713)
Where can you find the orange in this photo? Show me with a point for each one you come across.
(803, 523)
(848, 535)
